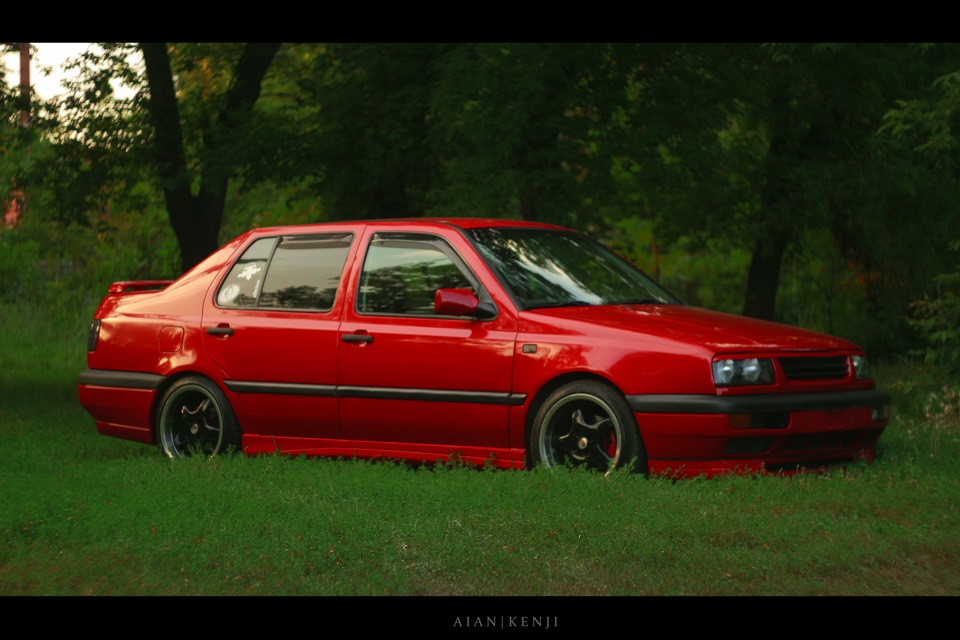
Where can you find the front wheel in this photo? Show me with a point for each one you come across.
(586, 423)
(195, 417)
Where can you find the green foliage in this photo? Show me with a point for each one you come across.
(937, 317)
(19, 262)
(367, 128)
(708, 276)
(732, 156)
(758, 145)
(928, 120)
(69, 266)
(268, 204)
(96, 139)
(516, 129)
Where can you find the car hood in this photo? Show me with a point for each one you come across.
(722, 332)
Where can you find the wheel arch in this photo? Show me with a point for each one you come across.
(615, 404)
(552, 385)
(164, 386)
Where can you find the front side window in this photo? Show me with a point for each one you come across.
(402, 272)
(289, 272)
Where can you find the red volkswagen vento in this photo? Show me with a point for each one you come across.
(489, 341)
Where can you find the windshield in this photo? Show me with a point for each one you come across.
(554, 268)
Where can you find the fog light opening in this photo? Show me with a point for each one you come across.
(748, 445)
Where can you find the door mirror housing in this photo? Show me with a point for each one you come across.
(462, 302)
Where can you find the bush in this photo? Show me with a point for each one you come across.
(19, 262)
(937, 318)
(67, 267)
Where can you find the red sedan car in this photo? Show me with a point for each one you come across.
(489, 341)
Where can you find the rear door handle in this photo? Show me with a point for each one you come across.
(220, 331)
(356, 337)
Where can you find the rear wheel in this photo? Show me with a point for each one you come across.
(586, 423)
(195, 418)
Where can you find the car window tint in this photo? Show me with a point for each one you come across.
(402, 272)
(242, 284)
(304, 273)
(548, 268)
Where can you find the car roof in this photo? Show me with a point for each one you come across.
(420, 223)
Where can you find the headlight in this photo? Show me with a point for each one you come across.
(861, 367)
(730, 372)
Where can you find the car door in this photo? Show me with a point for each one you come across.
(409, 375)
(272, 326)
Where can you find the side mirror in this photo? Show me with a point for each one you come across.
(461, 302)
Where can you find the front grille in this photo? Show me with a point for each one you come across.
(819, 368)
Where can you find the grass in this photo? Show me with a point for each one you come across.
(83, 514)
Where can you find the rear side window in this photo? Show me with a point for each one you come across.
(290, 272)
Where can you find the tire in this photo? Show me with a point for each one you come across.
(195, 418)
(586, 424)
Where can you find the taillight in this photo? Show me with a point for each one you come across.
(93, 336)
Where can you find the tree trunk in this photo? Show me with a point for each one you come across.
(196, 218)
(196, 224)
(763, 277)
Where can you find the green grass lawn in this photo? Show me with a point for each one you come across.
(83, 514)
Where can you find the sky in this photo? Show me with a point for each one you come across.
(48, 54)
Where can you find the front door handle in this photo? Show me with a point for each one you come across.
(356, 337)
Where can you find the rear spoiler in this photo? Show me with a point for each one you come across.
(138, 285)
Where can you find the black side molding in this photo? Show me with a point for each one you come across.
(281, 388)
(122, 379)
(381, 393)
(433, 395)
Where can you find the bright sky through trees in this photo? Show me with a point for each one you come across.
(48, 54)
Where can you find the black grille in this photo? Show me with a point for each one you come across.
(823, 368)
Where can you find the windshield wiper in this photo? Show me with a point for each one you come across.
(641, 301)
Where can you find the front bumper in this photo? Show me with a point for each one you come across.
(707, 435)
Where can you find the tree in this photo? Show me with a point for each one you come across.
(929, 121)
(759, 144)
(515, 128)
(462, 129)
(369, 130)
(196, 193)
(771, 149)
(190, 126)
